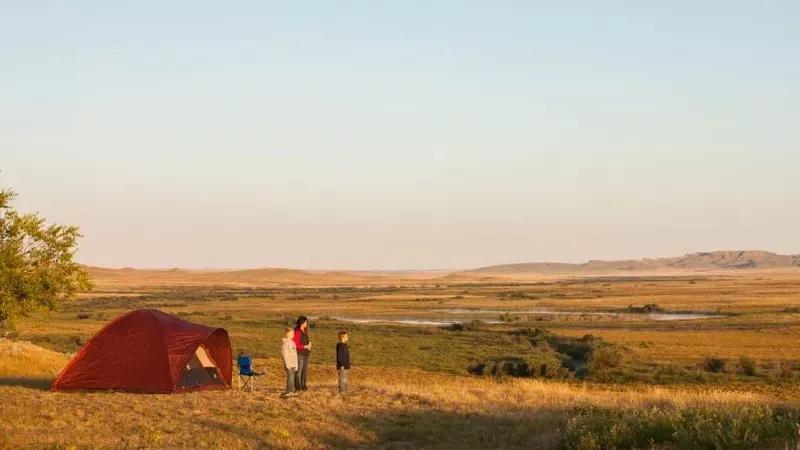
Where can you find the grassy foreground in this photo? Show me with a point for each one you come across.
(388, 408)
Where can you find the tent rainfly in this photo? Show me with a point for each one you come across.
(150, 351)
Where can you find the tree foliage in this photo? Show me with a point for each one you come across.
(37, 267)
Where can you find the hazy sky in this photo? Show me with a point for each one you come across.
(404, 134)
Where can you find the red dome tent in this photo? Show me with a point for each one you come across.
(150, 351)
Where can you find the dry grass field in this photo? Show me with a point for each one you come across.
(389, 408)
(636, 382)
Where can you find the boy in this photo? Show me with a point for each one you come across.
(342, 360)
(289, 353)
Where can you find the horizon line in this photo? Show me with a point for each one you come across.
(409, 270)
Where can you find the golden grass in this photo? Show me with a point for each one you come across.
(690, 345)
(388, 407)
(25, 360)
(136, 278)
(759, 328)
(396, 407)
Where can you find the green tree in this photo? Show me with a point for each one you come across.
(37, 267)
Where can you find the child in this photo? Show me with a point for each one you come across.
(289, 353)
(342, 360)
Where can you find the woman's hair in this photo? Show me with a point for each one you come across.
(300, 321)
(287, 329)
(342, 334)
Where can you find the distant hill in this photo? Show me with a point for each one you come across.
(716, 260)
(693, 262)
(105, 277)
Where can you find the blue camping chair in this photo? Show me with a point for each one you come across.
(247, 375)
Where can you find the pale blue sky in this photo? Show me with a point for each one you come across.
(403, 134)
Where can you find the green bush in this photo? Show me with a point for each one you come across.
(673, 373)
(744, 427)
(748, 366)
(536, 336)
(604, 357)
(646, 309)
(785, 370)
(508, 317)
(473, 325)
(714, 365)
(501, 367)
(584, 355)
(597, 428)
(536, 365)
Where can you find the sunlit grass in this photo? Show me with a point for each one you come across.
(387, 407)
(25, 360)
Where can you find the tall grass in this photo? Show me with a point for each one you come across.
(25, 360)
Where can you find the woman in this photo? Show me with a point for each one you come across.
(303, 344)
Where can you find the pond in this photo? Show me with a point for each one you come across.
(405, 320)
(490, 316)
(660, 316)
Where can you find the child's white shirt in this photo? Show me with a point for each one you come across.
(289, 353)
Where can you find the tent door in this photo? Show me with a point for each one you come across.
(200, 371)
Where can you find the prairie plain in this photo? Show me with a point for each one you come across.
(677, 360)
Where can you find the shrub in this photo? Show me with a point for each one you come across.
(515, 367)
(785, 369)
(539, 365)
(472, 325)
(477, 368)
(693, 428)
(545, 371)
(604, 357)
(517, 295)
(82, 315)
(673, 373)
(496, 368)
(648, 308)
(713, 364)
(581, 354)
(741, 428)
(748, 366)
(536, 336)
(598, 428)
(508, 317)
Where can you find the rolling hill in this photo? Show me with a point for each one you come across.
(244, 277)
(693, 262)
(701, 261)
